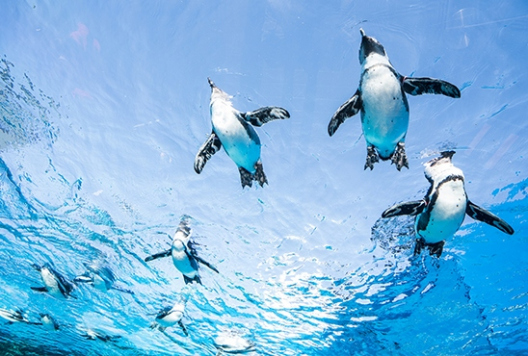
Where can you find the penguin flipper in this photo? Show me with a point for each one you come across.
(419, 86)
(266, 114)
(208, 149)
(478, 213)
(40, 289)
(158, 255)
(350, 108)
(205, 263)
(184, 329)
(408, 208)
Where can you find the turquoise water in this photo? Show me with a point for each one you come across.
(104, 107)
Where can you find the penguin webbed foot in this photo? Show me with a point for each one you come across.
(259, 175)
(247, 178)
(188, 280)
(372, 157)
(435, 249)
(399, 157)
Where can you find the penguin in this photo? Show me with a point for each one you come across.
(101, 278)
(16, 316)
(441, 212)
(56, 284)
(91, 334)
(232, 342)
(383, 104)
(170, 316)
(48, 322)
(184, 255)
(232, 130)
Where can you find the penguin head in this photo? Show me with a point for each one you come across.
(440, 167)
(369, 46)
(217, 93)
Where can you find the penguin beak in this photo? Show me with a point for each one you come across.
(362, 32)
(447, 154)
(211, 83)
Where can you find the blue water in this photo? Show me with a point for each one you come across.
(104, 106)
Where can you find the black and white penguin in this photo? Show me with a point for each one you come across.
(13, 316)
(101, 278)
(48, 322)
(383, 104)
(232, 130)
(170, 316)
(441, 212)
(56, 284)
(184, 255)
(92, 334)
(16, 316)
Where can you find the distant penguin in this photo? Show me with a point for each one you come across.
(184, 255)
(15, 316)
(56, 284)
(92, 334)
(383, 105)
(101, 278)
(232, 130)
(441, 212)
(170, 316)
(12, 316)
(232, 342)
(48, 322)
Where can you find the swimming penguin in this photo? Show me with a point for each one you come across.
(232, 130)
(232, 342)
(383, 104)
(101, 277)
(441, 212)
(56, 284)
(48, 322)
(184, 255)
(91, 334)
(170, 316)
(16, 316)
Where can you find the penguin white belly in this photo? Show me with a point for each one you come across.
(385, 115)
(51, 282)
(171, 319)
(182, 263)
(235, 138)
(447, 214)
